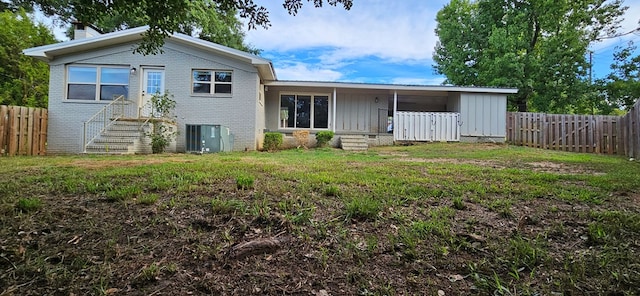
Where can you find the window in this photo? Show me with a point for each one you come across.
(211, 82)
(304, 111)
(91, 83)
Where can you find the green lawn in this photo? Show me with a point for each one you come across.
(405, 220)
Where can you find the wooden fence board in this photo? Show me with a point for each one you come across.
(23, 130)
(576, 133)
(4, 131)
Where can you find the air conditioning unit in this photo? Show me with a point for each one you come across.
(208, 138)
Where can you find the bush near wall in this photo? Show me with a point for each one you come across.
(272, 141)
(324, 137)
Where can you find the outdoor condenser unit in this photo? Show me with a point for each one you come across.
(208, 138)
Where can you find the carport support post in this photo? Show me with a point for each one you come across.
(395, 115)
(333, 114)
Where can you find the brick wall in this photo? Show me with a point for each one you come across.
(237, 111)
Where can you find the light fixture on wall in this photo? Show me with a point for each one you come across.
(376, 99)
(133, 71)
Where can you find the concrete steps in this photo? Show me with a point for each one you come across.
(354, 143)
(119, 138)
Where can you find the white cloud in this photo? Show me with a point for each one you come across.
(393, 30)
(307, 72)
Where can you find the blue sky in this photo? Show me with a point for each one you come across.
(377, 41)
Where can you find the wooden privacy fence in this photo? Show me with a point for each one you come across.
(630, 130)
(577, 133)
(23, 130)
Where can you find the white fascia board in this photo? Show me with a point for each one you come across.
(228, 51)
(49, 52)
(395, 87)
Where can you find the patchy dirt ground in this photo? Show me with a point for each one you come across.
(216, 239)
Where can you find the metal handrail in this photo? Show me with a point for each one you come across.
(153, 114)
(100, 121)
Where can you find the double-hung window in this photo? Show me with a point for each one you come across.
(304, 111)
(97, 83)
(211, 82)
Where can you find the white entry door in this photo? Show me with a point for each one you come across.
(152, 84)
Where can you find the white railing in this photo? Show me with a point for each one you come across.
(118, 108)
(146, 110)
(427, 126)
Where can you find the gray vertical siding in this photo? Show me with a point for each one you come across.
(356, 112)
(453, 102)
(483, 115)
(237, 111)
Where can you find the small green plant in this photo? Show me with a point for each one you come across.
(148, 199)
(244, 182)
(363, 207)
(163, 105)
(29, 204)
(332, 190)
(161, 136)
(149, 273)
(123, 193)
(227, 206)
(458, 203)
(524, 253)
(324, 137)
(272, 141)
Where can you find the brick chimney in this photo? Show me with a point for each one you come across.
(82, 31)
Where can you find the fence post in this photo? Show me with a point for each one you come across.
(84, 137)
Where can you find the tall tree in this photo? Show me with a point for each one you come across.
(24, 81)
(537, 46)
(206, 21)
(163, 17)
(621, 88)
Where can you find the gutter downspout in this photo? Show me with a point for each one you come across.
(333, 114)
(395, 115)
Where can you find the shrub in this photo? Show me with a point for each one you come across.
(161, 136)
(272, 141)
(302, 138)
(324, 137)
(163, 106)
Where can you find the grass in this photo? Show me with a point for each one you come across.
(29, 204)
(394, 220)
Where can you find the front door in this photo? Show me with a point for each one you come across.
(152, 84)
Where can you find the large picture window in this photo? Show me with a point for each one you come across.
(211, 82)
(93, 83)
(304, 111)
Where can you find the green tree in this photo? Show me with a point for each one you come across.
(206, 21)
(536, 46)
(24, 81)
(621, 88)
(163, 17)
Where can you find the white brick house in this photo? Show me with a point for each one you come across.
(214, 85)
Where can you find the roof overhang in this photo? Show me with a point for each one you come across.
(394, 87)
(50, 52)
